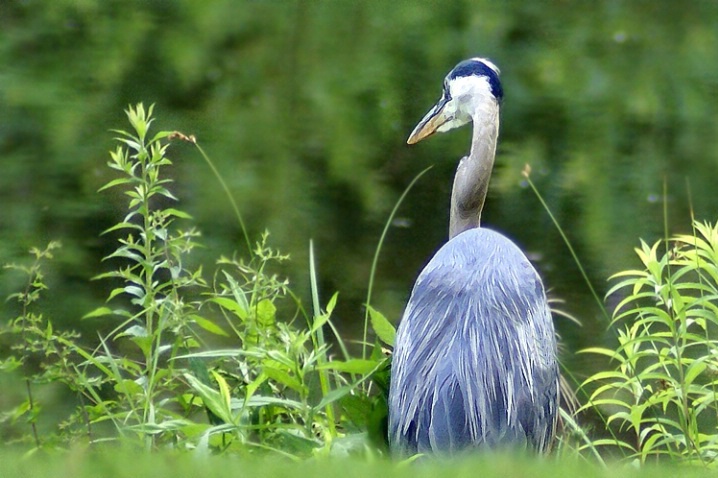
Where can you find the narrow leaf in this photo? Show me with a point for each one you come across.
(209, 326)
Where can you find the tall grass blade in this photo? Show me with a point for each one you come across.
(560, 230)
(377, 252)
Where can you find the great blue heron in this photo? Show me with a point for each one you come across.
(474, 361)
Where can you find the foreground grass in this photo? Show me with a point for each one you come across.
(113, 463)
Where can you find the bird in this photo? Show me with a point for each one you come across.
(474, 365)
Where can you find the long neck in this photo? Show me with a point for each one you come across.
(471, 182)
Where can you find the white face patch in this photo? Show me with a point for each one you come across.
(470, 95)
(469, 92)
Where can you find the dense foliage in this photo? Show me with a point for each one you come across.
(661, 395)
(152, 378)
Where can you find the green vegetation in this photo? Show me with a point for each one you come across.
(114, 463)
(237, 365)
(152, 380)
(188, 346)
(661, 395)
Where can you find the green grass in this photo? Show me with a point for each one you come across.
(117, 464)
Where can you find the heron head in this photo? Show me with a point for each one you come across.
(469, 88)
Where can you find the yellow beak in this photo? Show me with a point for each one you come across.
(430, 123)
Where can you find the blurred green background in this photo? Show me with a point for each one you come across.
(306, 106)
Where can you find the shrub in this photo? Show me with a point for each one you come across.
(660, 398)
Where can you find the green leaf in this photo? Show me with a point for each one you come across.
(98, 312)
(123, 225)
(19, 411)
(322, 319)
(297, 444)
(223, 390)
(694, 371)
(208, 325)
(132, 144)
(266, 312)
(358, 366)
(233, 306)
(128, 387)
(254, 385)
(115, 182)
(282, 377)
(382, 327)
(134, 331)
(212, 399)
(357, 408)
(333, 396)
(239, 295)
(134, 290)
(144, 343)
(602, 351)
(116, 291)
(177, 213)
(612, 443)
(261, 401)
(160, 135)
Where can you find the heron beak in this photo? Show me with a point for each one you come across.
(431, 122)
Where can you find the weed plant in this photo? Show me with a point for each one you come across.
(152, 380)
(660, 397)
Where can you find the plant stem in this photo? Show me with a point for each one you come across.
(375, 260)
(569, 246)
(31, 408)
(319, 342)
(32, 277)
(229, 195)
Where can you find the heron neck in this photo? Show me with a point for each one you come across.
(471, 182)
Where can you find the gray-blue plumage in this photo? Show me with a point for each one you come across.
(474, 362)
